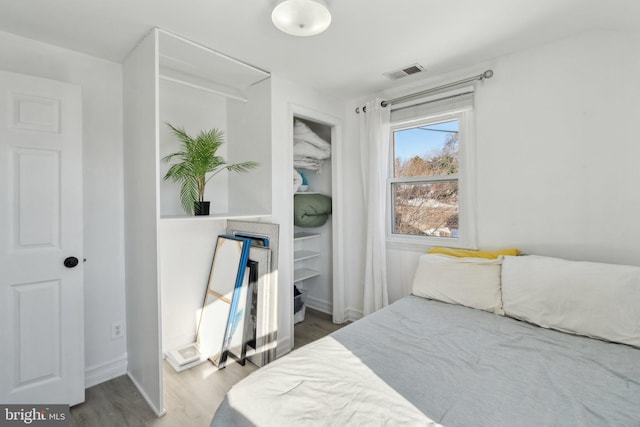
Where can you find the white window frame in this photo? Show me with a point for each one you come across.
(466, 183)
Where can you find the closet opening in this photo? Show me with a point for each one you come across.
(314, 228)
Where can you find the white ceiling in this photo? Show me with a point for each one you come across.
(366, 37)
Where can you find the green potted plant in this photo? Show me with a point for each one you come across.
(198, 163)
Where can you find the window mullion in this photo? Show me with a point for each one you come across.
(426, 179)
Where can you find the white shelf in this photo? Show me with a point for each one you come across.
(303, 235)
(215, 216)
(304, 273)
(302, 255)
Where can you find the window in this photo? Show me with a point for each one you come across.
(430, 201)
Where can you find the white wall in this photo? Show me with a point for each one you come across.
(186, 253)
(354, 207)
(558, 163)
(284, 94)
(249, 134)
(101, 83)
(557, 155)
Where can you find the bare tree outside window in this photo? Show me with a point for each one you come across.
(425, 188)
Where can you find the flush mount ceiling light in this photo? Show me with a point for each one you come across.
(301, 17)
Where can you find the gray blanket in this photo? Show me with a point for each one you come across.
(465, 367)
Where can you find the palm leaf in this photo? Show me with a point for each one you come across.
(196, 159)
(188, 195)
(242, 167)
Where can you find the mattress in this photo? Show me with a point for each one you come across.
(424, 362)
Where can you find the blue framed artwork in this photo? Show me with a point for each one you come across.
(239, 327)
(226, 275)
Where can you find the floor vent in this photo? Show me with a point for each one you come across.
(406, 71)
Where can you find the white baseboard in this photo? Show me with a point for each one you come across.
(96, 374)
(171, 343)
(318, 304)
(157, 411)
(352, 314)
(284, 346)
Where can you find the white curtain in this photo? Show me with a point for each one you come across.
(374, 154)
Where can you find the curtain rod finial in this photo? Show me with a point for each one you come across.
(487, 74)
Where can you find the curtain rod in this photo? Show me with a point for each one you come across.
(486, 75)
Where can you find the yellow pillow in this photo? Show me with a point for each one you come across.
(468, 253)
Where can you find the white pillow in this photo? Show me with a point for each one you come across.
(587, 298)
(472, 282)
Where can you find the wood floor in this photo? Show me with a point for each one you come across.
(191, 397)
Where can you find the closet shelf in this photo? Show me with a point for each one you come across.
(209, 87)
(304, 273)
(303, 235)
(302, 255)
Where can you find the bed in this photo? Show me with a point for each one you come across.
(516, 341)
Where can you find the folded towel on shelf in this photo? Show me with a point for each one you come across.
(297, 180)
(308, 163)
(303, 148)
(309, 150)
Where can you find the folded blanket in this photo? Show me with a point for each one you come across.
(303, 148)
(308, 163)
(302, 132)
(311, 210)
(309, 150)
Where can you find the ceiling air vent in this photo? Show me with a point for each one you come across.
(407, 71)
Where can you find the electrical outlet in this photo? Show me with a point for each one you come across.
(117, 329)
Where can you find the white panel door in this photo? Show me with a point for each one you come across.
(41, 299)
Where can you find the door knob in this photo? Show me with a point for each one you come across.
(70, 262)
